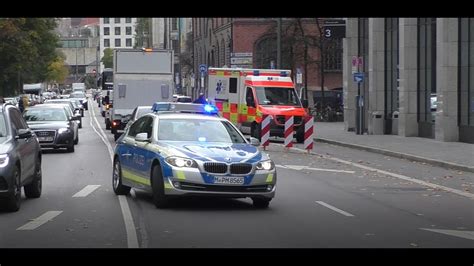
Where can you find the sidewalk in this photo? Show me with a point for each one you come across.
(456, 155)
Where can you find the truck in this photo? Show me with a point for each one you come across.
(141, 77)
(244, 95)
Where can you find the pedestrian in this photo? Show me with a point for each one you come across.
(201, 99)
(21, 104)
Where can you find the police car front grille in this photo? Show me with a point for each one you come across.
(240, 168)
(219, 188)
(215, 168)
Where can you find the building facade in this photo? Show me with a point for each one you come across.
(417, 73)
(116, 33)
(252, 43)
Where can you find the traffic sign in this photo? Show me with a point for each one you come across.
(358, 77)
(203, 69)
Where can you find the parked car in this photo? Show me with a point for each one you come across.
(53, 126)
(20, 159)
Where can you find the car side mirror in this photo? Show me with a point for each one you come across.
(142, 137)
(305, 103)
(24, 133)
(254, 141)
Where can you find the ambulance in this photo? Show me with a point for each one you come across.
(243, 96)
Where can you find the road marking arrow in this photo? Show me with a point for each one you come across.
(457, 233)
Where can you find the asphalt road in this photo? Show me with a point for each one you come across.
(335, 199)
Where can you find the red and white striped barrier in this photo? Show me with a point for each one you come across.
(289, 121)
(308, 133)
(265, 132)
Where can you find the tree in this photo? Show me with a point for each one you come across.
(142, 33)
(108, 58)
(28, 46)
(57, 71)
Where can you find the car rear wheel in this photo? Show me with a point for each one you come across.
(33, 190)
(159, 198)
(261, 203)
(119, 189)
(13, 202)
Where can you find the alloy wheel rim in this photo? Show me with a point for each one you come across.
(116, 171)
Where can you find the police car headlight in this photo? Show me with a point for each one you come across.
(181, 162)
(265, 165)
(3, 160)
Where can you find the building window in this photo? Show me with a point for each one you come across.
(106, 31)
(466, 80)
(128, 30)
(391, 69)
(128, 20)
(118, 43)
(117, 20)
(117, 30)
(174, 23)
(128, 42)
(426, 72)
(106, 20)
(333, 55)
(106, 43)
(222, 53)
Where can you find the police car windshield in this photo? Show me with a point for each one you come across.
(198, 130)
(277, 96)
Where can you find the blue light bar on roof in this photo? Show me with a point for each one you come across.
(256, 73)
(185, 108)
(284, 74)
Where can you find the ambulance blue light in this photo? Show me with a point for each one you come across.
(283, 74)
(256, 73)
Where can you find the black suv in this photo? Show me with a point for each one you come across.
(20, 159)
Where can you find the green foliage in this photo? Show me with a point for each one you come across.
(27, 49)
(57, 71)
(108, 58)
(142, 33)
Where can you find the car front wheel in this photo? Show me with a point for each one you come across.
(119, 189)
(158, 187)
(33, 190)
(13, 202)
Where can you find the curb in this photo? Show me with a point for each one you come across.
(399, 155)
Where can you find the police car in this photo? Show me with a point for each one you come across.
(184, 149)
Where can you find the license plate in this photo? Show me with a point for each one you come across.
(229, 180)
(45, 138)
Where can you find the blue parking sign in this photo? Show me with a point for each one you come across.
(203, 69)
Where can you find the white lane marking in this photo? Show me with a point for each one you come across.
(132, 240)
(301, 167)
(101, 134)
(37, 222)
(457, 233)
(334, 208)
(403, 177)
(86, 191)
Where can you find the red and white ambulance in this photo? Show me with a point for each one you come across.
(244, 95)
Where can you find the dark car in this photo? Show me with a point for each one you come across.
(20, 159)
(138, 112)
(52, 125)
(76, 110)
(81, 96)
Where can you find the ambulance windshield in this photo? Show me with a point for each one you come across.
(277, 96)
